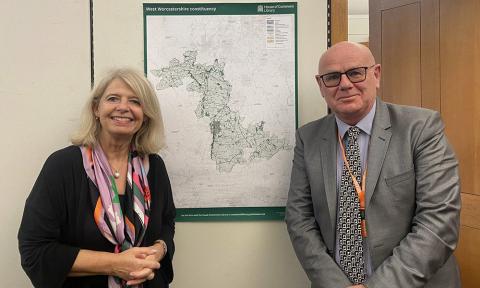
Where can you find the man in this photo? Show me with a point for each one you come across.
(374, 197)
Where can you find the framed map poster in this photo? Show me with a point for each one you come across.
(225, 75)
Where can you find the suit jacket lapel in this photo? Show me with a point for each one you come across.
(328, 148)
(377, 150)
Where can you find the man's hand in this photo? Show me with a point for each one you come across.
(356, 286)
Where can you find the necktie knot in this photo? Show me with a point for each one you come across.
(353, 132)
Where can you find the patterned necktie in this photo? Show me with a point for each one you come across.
(349, 221)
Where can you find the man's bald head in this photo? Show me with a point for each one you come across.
(344, 51)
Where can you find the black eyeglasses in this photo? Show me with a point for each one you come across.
(355, 75)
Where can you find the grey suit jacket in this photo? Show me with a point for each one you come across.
(412, 201)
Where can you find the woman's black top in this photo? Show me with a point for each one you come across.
(58, 221)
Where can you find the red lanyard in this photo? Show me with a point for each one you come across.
(360, 191)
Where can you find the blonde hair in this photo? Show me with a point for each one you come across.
(149, 138)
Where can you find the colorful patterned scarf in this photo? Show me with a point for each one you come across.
(124, 231)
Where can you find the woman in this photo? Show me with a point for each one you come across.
(101, 212)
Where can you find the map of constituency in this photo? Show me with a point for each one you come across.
(228, 103)
(230, 140)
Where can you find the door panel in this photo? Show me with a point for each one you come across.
(467, 256)
(471, 212)
(401, 55)
(401, 31)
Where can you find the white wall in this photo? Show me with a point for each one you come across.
(44, 80)
(358, 28)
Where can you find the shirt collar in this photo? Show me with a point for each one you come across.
(365, 124)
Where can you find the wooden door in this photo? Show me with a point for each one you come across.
(430, 55)
(460, 102)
